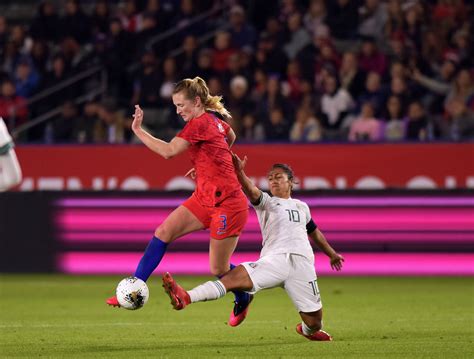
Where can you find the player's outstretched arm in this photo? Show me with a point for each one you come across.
(251, 191)
(335, 258)
(163, 148)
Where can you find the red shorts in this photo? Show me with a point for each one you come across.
(225, 220)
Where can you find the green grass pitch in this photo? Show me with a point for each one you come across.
(56, 316)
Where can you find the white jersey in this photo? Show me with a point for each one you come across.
(283, 224)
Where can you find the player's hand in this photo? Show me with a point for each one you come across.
(239, 164)
(137, 119)
(191, 173)
(336, 261)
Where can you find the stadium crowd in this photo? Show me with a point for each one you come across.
(289, 70)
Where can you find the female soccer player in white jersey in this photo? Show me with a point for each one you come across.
(286, 259)
(10, 172)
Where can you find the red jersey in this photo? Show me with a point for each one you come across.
(210, 155)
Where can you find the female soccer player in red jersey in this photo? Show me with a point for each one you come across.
(218, 202)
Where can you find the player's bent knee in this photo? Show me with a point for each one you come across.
(164, 234)
(218, 270)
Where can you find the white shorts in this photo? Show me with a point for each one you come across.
(292, 272)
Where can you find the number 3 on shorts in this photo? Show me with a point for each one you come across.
(223, 228)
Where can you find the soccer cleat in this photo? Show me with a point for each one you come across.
(113, 301)
(239, 312)
(320, 335)
(179, 297)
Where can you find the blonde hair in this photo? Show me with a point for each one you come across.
(197, 87)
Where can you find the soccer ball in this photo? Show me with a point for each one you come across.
(132, 293)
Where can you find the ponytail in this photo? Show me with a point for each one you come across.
(197, 87)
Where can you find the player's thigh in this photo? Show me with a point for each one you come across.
(180, 222)
(220, 251)
(302, 285)
(268, 272)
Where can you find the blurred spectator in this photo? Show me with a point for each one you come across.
(412, 28)
(120, 50)
(417, 125)
(187, 60)
(204, 64)
(365, 127)
(328, 57)
(370, 58)
(183, 19)
(251, 130)
(23, 42)
(352, 78)
(462, 89)
(286, 9)
(394, 120)
(242, 33)
(297, 36)
(462, 50)
(460, 124)
(3, 34)
(237, 101)
(395, 18)
(372, 19)
(146, 91)
(76, 56)
(46, 25)
(155, 8)
(57, 74)
(274, 30)
(277, 127)
(269, 55)
(373, 92)
(272, 98)
(169, 77)
(111, 125)
(26, 79)
(432, 48)
(40, 57)
(343, 19)
(306, 127)
(223, 50)
(100, 17)
(75, 23)
(85, 125)
(64, 125)
(438, 86)
(399, 88)
(294, 83)
(130, 17)
(13, 108)
(148, 30)
(259, 88)
(335, 104)
(314, 19)
(10, 58)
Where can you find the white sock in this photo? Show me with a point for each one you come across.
(307, 330)
(207, 291)
(4, 135)
(10, 171)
